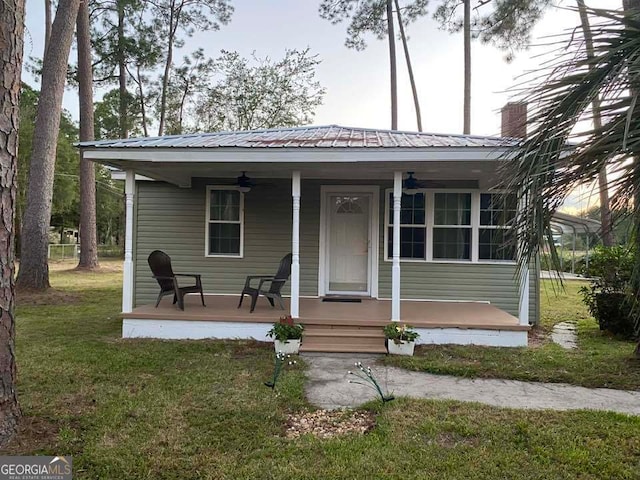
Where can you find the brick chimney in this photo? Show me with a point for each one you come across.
(514, 120)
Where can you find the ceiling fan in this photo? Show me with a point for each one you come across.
(411, 184)
(244, 183)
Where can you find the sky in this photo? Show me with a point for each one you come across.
(357, 83)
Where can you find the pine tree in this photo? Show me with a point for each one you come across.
(34, 269)
(11, 34)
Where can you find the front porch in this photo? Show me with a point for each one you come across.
(372, 213)
(330, 326)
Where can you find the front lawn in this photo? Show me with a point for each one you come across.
(199, 410)
(600, 360)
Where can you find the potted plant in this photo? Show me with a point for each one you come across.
(286, 335)
(401, 339)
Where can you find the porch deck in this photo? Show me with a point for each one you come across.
(368, 312)
(330, 326)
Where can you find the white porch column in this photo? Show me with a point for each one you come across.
(523, 307)
(395, 269)
(295, 246)
(523, 316)
(127, 283)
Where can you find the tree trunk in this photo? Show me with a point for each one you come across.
(88, 236)
(466, 129)
(405, 46)
(605, 211)
(47, 24)
(165, 84)
(167, 68)
(183, 101)
(18, 226)
(392, 66)
(11, 38)
(34, 270)
(143, 109)
(122, 75)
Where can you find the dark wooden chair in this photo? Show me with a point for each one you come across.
(269, 286)
(160, 264)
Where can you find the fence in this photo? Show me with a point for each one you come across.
(71, 251)
(63, 251)
(110, 251)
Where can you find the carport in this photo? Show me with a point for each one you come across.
(565, 224)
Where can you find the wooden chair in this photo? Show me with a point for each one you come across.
(274, 283)
(160, 264)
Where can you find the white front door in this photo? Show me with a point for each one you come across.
(348, 243)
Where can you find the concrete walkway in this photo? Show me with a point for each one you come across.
(564, 334)
(552, 274)
(328, 387)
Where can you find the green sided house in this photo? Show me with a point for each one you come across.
(382, 226)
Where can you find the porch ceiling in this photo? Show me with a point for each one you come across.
(181, 174)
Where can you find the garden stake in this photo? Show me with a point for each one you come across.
(368, 380)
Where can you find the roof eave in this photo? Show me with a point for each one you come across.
(297, 154)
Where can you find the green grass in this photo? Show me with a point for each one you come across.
(600, 361)
(562, 303)
(198, 410)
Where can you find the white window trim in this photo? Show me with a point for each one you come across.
(388, 224)
(207, 221)
(429, 213)
(490, 227)
(467, 227)
(489, 260)
(475, 223)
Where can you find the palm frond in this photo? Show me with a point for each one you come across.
(564, 150)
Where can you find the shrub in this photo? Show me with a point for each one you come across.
(614, 265)
(614, 313)
(608, 297)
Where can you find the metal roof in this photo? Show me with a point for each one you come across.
(571, 224)
(330, 136)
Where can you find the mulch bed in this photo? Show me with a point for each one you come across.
(538, 337)
(329, 423)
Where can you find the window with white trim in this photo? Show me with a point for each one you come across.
(452, 226)
(225, 213)
(497, 213)
(413, 226)
(457, 226)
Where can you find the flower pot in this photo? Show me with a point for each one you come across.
(402, 348)
(288, 347)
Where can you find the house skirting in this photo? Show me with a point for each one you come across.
(193, 330)
(458, 323)
(199, 330)
(475, 336)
